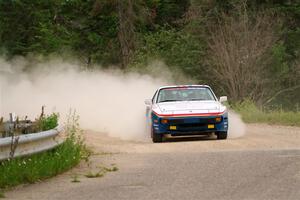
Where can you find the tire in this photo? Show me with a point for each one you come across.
(221, 135)
(156, 138)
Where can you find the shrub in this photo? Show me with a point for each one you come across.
(179, 50)
(252, 114)
(48, 122)
(47, 164)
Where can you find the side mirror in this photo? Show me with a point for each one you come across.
(148, 102)
(223, 99)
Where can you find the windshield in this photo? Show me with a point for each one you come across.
(185, 94)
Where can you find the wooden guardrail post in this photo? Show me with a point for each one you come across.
(14, 140)
(2, 127)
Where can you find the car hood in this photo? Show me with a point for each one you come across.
(189, 107)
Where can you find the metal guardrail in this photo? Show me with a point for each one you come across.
(28, 144)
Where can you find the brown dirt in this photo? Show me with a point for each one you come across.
(112, 151)
(258, 137)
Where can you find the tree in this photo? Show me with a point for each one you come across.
(239, 48)
(126, 30)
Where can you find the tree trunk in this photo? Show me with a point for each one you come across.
(126, 34)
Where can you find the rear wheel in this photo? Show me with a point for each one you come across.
(221, 135)
(156, 137)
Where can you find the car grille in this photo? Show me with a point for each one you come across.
(193, 121)
(192, 124)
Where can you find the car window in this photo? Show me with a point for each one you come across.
(154, 96)
(185, 94)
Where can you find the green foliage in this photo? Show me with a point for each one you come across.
(112, 169)
(101, 172)
(85, 28)
(41, 166)
(2, 194)
(48, 122)
(174, 31)
(94, 175)
(47, 164)
(75, 179)
(176, 49)
(170, 11)
(252, 114)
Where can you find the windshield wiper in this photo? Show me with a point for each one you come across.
(197, 99)
(168, 100)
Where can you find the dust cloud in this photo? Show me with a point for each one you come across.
(108, 101)
(237, 127)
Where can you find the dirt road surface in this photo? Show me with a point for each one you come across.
(264, 164)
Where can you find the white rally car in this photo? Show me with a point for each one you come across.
(186, 110)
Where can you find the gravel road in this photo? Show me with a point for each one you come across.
(264, 164)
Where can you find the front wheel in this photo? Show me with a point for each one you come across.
(221, 135)
(156, 137)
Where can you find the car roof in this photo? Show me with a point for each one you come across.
(182, 86)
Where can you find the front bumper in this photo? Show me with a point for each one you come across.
(195, 125)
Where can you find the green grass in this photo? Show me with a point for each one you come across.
(48, 122)
(2, 194)
(40, 166)
(95, 175)
(103, 170)
(47, 164)
(75, 179)
(251, 114)
(113, 169)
